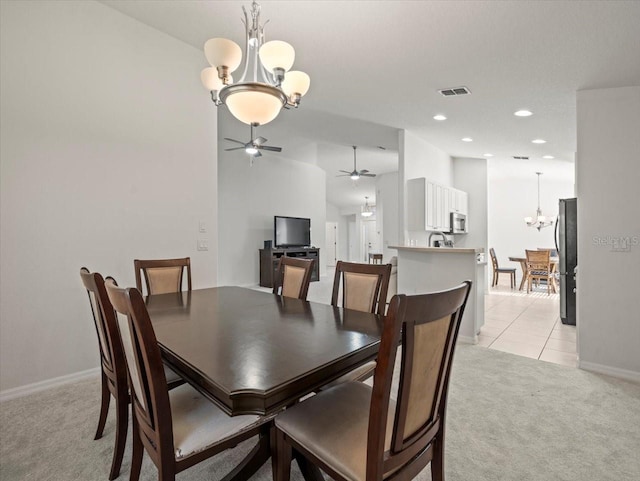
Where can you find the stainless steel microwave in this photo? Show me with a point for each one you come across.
(458, 223)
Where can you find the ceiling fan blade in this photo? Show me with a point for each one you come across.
(269, 147)
(234, 148)
(367, 175)
(345, 171)
(344, 175)
(363, 171)
(234, 140)
(259, 141)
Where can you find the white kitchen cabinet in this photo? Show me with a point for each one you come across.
(429, 205)
(459, 201)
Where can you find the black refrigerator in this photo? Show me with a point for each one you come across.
(567, 245)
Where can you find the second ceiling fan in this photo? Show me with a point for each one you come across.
(355, 174)
(254, 146)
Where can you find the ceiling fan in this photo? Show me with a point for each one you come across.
(355, 174)
(254, 146)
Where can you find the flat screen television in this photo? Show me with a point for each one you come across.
(291, 231)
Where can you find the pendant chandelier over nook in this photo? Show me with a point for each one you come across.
(367, 211)
(539, 221)
(265, 85)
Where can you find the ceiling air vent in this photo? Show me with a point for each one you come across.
(455, 91)
(520, 157)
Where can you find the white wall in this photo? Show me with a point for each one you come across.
(334, 215)
(387, 212)
(249, 198)
(418, 158)
(512, 193)
(608, 175)
(108, 153)
(470, 175)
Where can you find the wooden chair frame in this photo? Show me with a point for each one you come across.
(113, 365)
(306, 264)
(539, 268)
(497, 270)
(407, 455)
(383, 271)
(143, 265)
(153, 425)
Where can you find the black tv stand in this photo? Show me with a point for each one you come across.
(269, 259)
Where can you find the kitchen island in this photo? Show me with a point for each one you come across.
(428, 269)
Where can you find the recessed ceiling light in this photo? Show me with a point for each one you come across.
(487, 155)
(467, 139)
(523, 113)
(548, 157)
(539, 141)
(439, 117)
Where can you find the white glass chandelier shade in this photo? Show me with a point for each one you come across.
(211, 80)
(264, 85)
(254, 107)
(539, 221)
(277, 55)
(366, 208)
(221, 52)
(296, 83)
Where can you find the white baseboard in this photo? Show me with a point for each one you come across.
(21, 391)
(467, 339)
(625, 374)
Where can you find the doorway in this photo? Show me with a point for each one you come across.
(370, 239)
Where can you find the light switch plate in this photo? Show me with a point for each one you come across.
(203, 244)
(202, 226)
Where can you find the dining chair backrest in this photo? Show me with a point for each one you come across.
(552, 252)
(364, 286)
(111, 353)
(538, 261)
(162, 276)
(427, 326)
(149, 393)
(494, 259)
(293, 277)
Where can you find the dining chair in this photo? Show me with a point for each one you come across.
(539, 268)
(371, 437)
(113, 365)
(162, 276)
(497, 270)
(364, 288)
(293, 277)
(177, 428)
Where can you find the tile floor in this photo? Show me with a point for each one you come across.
(527, 325)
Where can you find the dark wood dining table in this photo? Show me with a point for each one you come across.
(253, 352)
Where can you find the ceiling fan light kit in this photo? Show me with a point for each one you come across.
(355, 174)
(265, 86)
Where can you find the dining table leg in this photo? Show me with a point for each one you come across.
(523, 265)
(254, 460)
(310, 472)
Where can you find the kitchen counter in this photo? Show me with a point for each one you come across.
(428, 269)
(444, 250)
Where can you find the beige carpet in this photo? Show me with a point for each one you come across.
(510, 418)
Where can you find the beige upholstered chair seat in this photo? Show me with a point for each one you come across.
(198, 423)
(171, 375)
(358, 374)
(333, 426)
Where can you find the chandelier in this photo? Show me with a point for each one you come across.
(539, 221)
(367, 211)
(266, 84)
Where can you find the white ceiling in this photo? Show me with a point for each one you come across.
(382, 62)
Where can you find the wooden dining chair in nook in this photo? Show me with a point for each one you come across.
(177, 428)
(539, 268)
(371, 437)
(113, 365)
(497, 270)
(364, 288)
(293, 277)
(162, 276)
